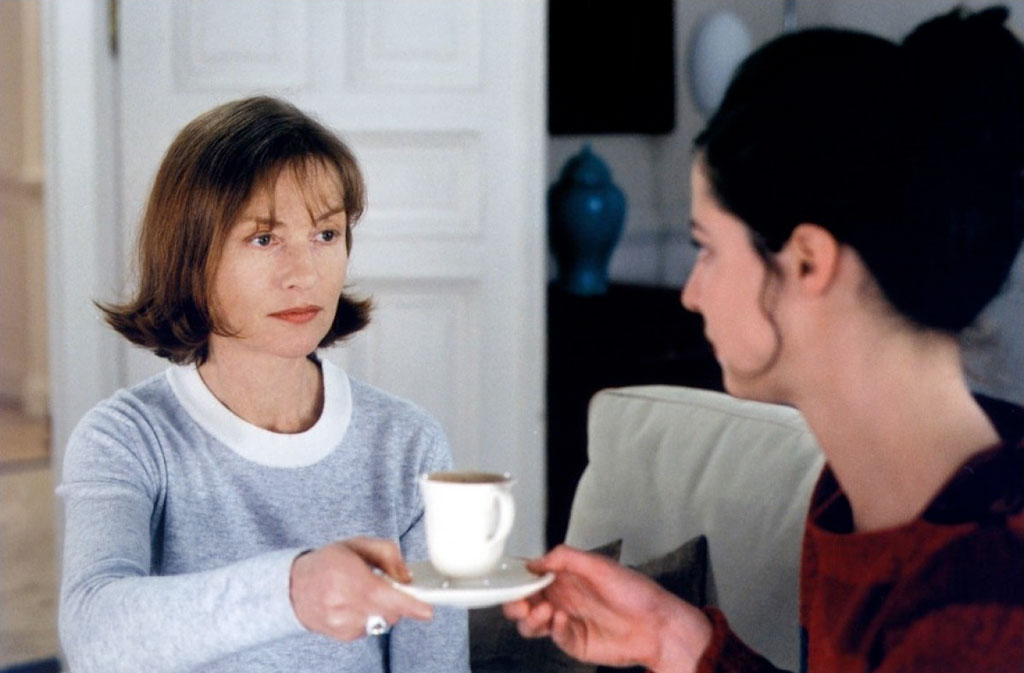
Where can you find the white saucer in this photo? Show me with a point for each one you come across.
(508, 582)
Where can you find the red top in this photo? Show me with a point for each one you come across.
(944, 592)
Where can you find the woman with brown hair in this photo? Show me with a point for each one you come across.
(238, 511)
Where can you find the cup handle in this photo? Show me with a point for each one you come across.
(506, 515)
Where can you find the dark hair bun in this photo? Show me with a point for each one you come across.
(911, 154)
(964, 100)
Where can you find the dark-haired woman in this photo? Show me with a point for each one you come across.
(856, 204)
(235, 513)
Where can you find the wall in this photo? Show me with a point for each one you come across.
(895, 19)
(23, 360)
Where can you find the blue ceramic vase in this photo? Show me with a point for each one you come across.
(586, 213)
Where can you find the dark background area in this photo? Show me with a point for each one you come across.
(631, 335)
(611, 67)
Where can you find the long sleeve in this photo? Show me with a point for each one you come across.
(114, 615)
(183, 522)
(726, 653)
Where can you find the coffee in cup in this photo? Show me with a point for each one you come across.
(468, 516)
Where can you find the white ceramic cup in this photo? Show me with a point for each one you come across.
(469, 516)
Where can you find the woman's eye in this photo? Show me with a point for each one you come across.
(699, 246)
(328, 235)
(262, 241)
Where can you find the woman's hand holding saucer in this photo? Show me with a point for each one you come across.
(336, 591)
(599, 611)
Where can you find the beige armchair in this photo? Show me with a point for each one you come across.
(671, 463)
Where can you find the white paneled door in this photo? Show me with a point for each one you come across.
(442, 102)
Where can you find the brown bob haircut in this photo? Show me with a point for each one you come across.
(208, 174)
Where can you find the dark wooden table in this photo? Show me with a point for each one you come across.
(629, 336)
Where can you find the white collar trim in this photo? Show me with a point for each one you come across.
(272, 449)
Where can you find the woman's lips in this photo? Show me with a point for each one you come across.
(299, 315)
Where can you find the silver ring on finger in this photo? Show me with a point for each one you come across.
(376, 625)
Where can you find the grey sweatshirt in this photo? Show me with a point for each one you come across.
(182, 522)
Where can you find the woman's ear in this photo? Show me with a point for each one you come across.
(813, 253)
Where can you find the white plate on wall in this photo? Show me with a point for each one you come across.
(510, 581)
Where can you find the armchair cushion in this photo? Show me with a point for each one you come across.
(668, 463)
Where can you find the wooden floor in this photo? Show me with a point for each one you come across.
(28, 568)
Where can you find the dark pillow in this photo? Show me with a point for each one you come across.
(685, 572)
(496, 647)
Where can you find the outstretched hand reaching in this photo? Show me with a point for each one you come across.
(599, 611)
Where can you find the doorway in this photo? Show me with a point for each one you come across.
(28, 576)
